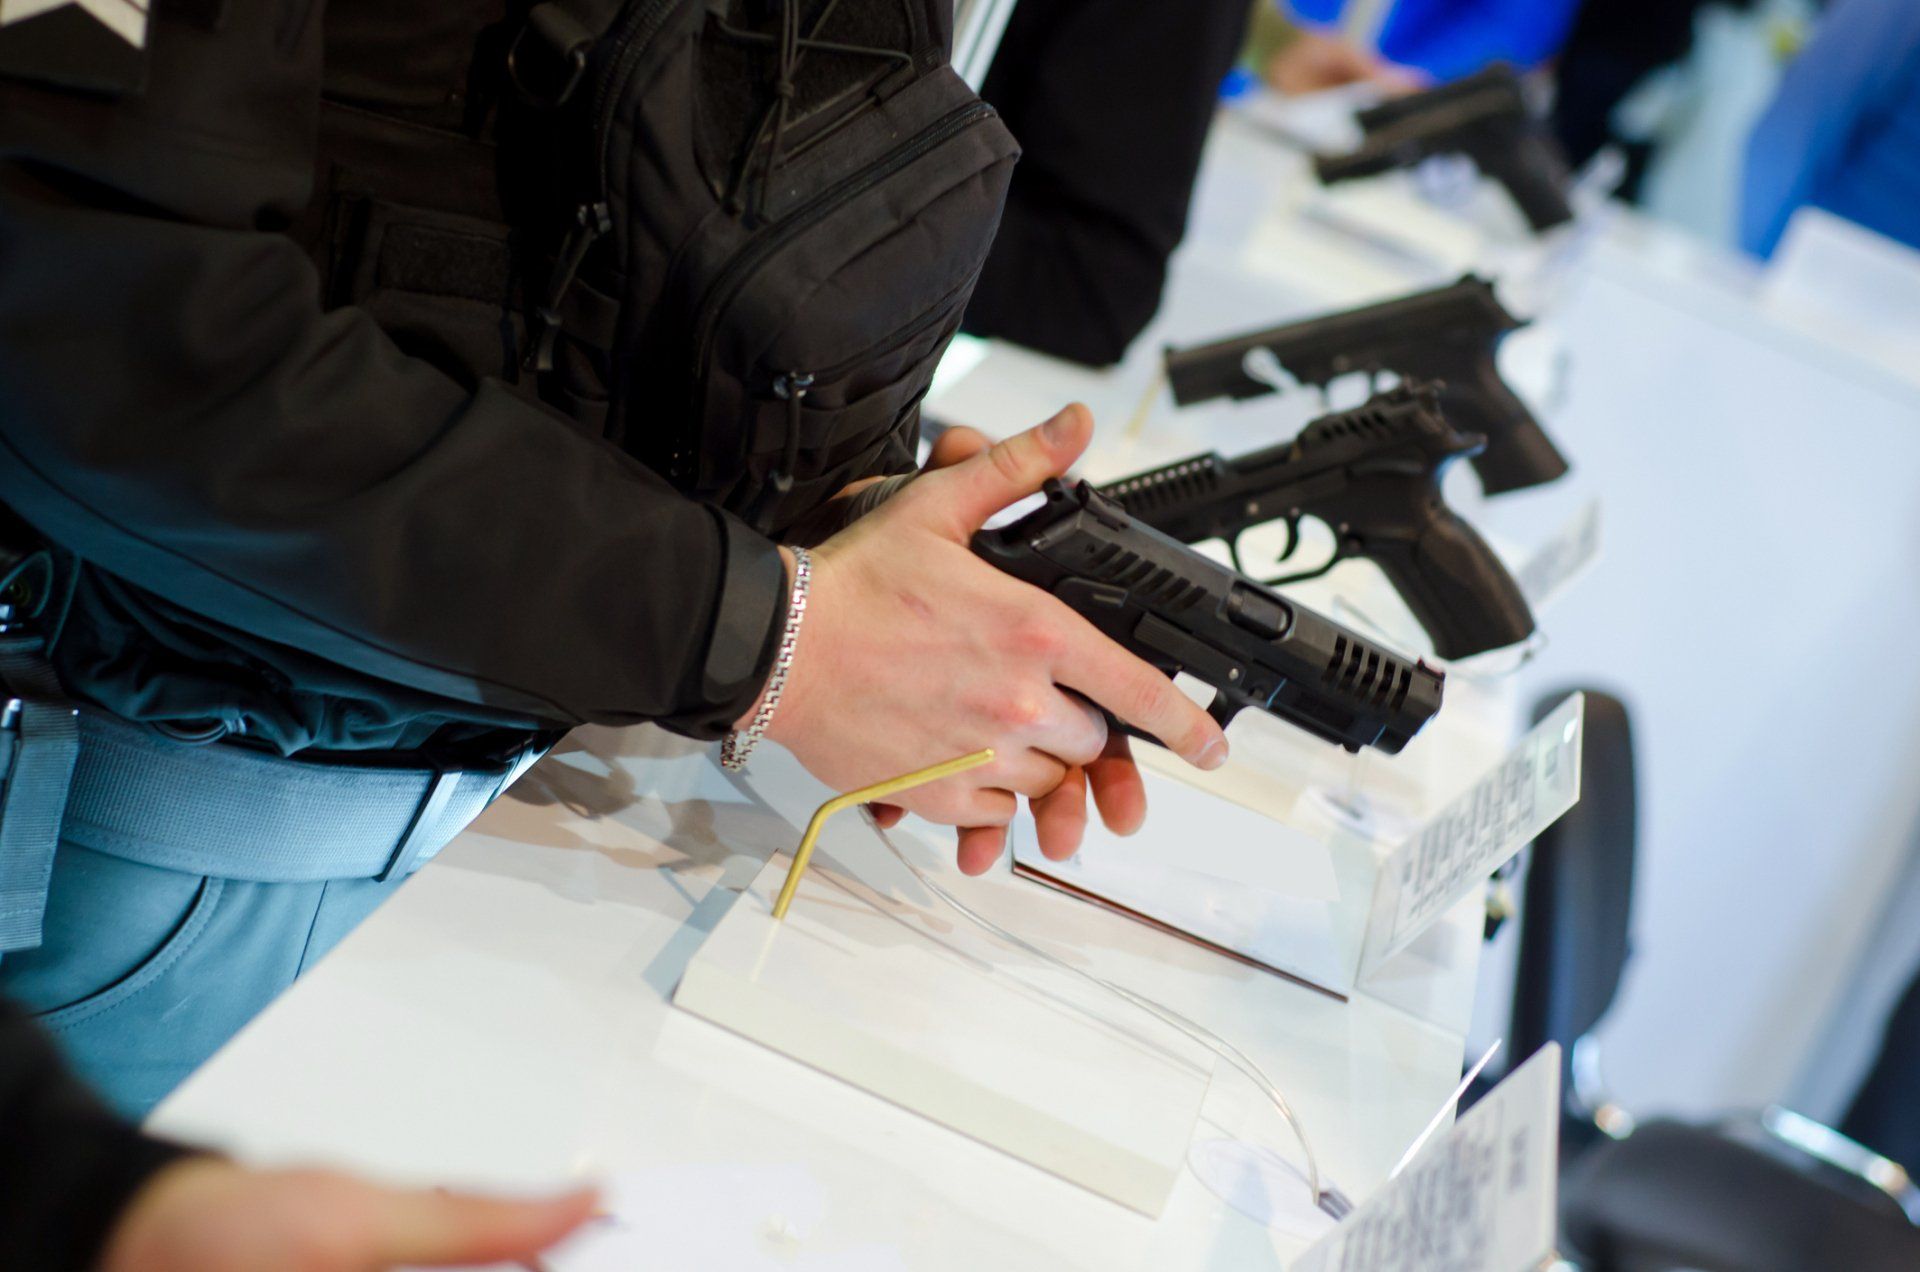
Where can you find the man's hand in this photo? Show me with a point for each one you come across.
(1312, 62)
(915, 650)
(207, 1215)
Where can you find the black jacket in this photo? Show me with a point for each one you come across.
(67, 1165)
(1111, 101)
(292, 526)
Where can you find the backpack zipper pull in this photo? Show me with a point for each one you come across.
(790, 388)
(793, 387)
(591, 221)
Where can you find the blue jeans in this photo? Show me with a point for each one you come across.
(143, 973)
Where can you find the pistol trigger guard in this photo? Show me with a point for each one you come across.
(1292, 524)
(1344, 546)
(1301, 577)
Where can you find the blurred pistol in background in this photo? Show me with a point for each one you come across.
(1484, 117)
(1447, 335)
(1373, 475)
(1182, 612)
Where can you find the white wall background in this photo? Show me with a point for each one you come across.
(1757, 603)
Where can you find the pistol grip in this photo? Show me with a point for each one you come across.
(1519, 453)
(1458, 589)
(1536, 178)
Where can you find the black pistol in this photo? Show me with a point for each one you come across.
(1373, 475)
(1447, 335)
(1484, 117)
(1181, 612)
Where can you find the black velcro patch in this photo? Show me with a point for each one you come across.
(436, 262)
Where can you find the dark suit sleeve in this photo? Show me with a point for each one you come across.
(1111, 101)
(67, 1165)
(176, 407)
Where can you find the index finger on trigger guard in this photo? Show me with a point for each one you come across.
(1167, 714)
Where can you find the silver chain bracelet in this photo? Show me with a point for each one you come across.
(740, 743)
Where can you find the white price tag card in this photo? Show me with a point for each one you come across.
(1468, 840)
(1479, 1199)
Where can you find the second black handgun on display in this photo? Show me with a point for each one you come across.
(1373, 475)
(1448, 335)
(1484, 117)
(1182, 612)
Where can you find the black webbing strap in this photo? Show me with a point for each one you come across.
(37, 755)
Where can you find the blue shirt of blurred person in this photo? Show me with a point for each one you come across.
(1451, 38)
(1843, 133)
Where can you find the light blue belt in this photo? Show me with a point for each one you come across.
(239, 814)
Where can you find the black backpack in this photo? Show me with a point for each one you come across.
(771, 214)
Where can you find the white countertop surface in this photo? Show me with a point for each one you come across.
(506, 1019)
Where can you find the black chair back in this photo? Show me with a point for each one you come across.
(1578, 900)
(1673, 1196)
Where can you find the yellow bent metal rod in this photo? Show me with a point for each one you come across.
(866, 795)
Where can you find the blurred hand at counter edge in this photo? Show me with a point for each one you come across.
(207, 1214)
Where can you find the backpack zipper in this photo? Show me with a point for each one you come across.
(938, 312)
(593, 220)
(750, 258)
(641, 23)
(792, 388)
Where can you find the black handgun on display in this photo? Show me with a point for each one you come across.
(1447, 335)
(1181, 612)
(1483, 117)
(1372, 474)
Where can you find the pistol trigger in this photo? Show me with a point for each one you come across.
(1344, 545)
(1222, 708)
(1293, 536)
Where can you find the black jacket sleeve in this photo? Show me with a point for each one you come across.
(176, 407)
(1111, 101)
(67, 1166)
